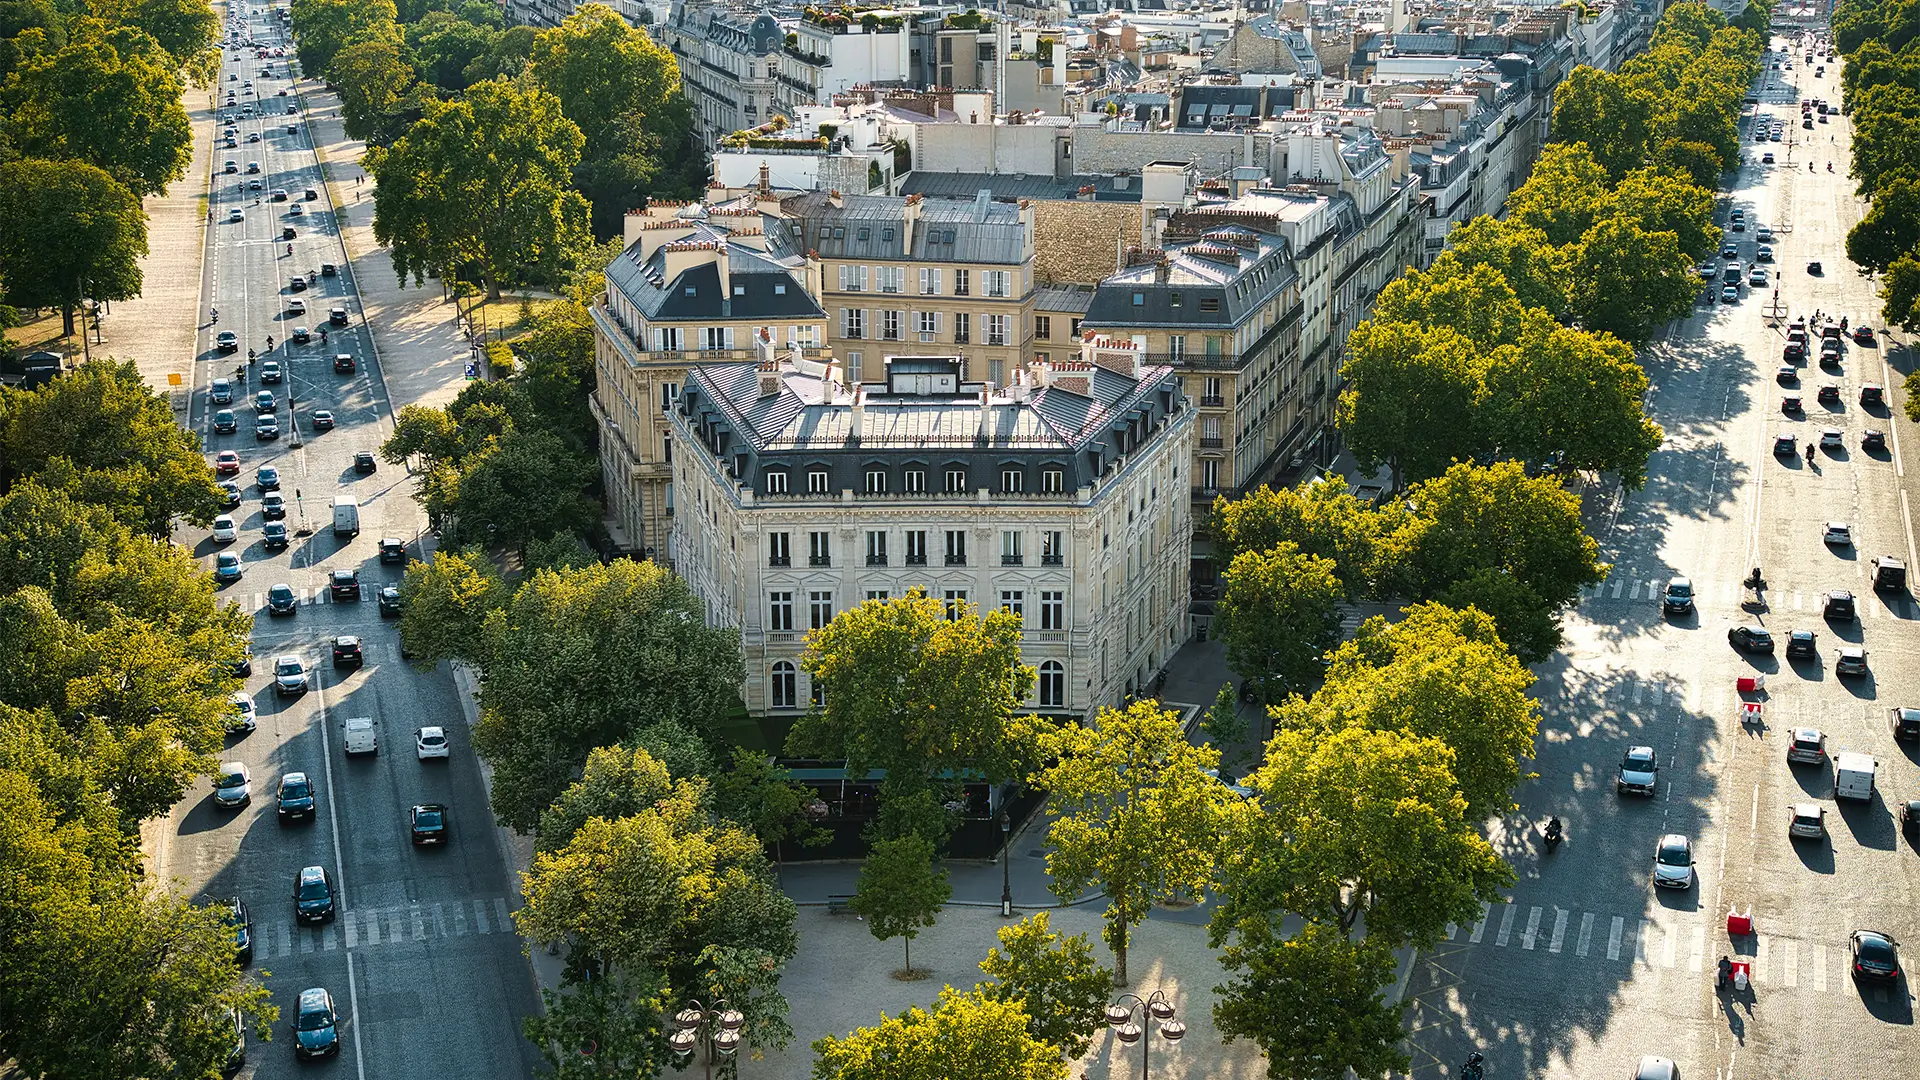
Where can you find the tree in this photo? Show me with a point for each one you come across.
(623, 90)
(1886, 135)
(104, 437)
(446, 604)
(109, 97)
(916, 693)
(481, 186)
(1607, 114)
(1323, 518)
(964, 1035)
(186, 29)
(1279, 616)
(667, 897)
(1351, 826)
(1564, 196)
(1313, 1004)
(379, 97)
(1473, 301)
(1900, 296)
(1665, 200)
(900, 892)
(608, 1028)
(1134, 813)
(761, 795)
(585, 659)
(1532, 267)
(1054, 979)
(1573, 397)
(1627, 281)
(68, 232)
(322, 29)
(1891, 227)
(1412, 398)
(1439, 673)
(1223, 724)
(616, 783)
(444, 45)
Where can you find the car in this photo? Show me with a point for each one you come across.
(289, 675)
(1904, 722)
(427, 823)
(293, 129)
(1677, 599)
(1757, 277)
(1807, 820)
(316, 1026)
(224, 530)
(1707, 271)
(253, 136)
(1872, 394)
(245, 715)
(1814, 268)
(1863, 335)
(281, 600)
(1875, 955)
(302, 335)
(322, 419)
(345, 584)
(296, 306)
(282, 93)
(1766, 158)
(431, 742)
(390, 603)
(297, 284)
(1807, 123)
(359, 736)
(1832, 439)
(271, 372)
(1774, 136)
(256, 184)
(230, 166)
(292, 109)
(1765, 251)
(346, 651)
(1851, 660)
(295, 797)
(1673, 862)
(1785, 445)
(1730, 250)
(278, 195)
(232, 785)
(273, 535)
(1739, 225)
(313, 894)
(1729, 294)
(268, 478)
(1830, 355)
(1752, 639)
(363, 462)
(1806, 746)
(263, 402)
(1639, 772)
(1837, 605)
(242, 923)
(343, 363)
(227, 341)
(266, 427)
(1763, 234)
(1787, 376)
(233, 496)
(1910, 819)
(295, 211)
(1873, 439)
(273, 506)
(1838, 533)
(1802, 644)
(1828, 394)
(220, 392)
(1656, 1068)
(224, 422)
(253, 167)
(226, 568)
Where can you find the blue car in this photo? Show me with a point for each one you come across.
(316, 1026)
(226, 567)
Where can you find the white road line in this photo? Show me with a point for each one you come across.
(396, 925)
(505, 919)
(1614, 933)
(419, 926)
(1586, 934)
(1819, 968)
(1669, 950)
(1653, 589)
(1760, 956)
(1790, 965)
(1531, 935)
(370, 926)
(1635, 595)
(1559, 929)
(1697, 962)
(327, 943)
(1637, 690)
(1617, 586)
(480, 918)
(1506, 924)
(306, 943)
(1640, 946)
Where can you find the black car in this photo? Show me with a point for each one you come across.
(1838, 605)
(346, 584)
(273, 506)
(273, 535)
(1872, 394)
(1829, 394)
(1753, 639)
(1904, 722)
(242, 924)
(428, 823)
(282, 601)
(363, 462)
(1802, 643)
(295, 797)
(232, 489)
(389, 600)
(1814, 268)
(343, 362)
(301, 335)
(1875, 956)
(316, 1025)
(1678, 599)
(1873, 439)
(243, 667)
(1910, 818)
(393, 549)
(322, 419)
(346, 651)
(313, 894)
(224, 422)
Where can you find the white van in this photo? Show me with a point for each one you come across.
(1853, 776)
(346, 515)
(361, 738)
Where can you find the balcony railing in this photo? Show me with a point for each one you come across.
(876, 560)
(1213, 401)
(1012, 560)
(1053, 560)
(779, 560)
(916, 560)
(1213, 443)
(819, 560)
(956, 560)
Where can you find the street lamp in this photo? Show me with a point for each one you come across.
(1006, 874)
(1158, 1007)
(718, 1027)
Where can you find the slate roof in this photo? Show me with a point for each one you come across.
(1198, 270)
(644, 285)
(967, 185)
(976, 230)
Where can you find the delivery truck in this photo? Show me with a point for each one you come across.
(346, 515)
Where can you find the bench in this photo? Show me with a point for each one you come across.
(839, 905)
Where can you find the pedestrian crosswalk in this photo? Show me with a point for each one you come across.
(310, 597)
(1624, 587)
(1646, 946)
(379, 928)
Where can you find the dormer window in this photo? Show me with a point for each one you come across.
(1210, 303)
(739, 290)
(861, 235)
(693, 290)
(779, 288)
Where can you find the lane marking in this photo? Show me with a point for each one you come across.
(1640, 943)
(1480, 928)
(1531, 934)
(1761, 953)
(1506, 925)
(1668, 950)
(1697, 962)
(1586, 934)
(1819, 958)
(1614, 933)
(1559, 929)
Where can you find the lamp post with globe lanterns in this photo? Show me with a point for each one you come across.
(1157, 1009)
(718, 1027)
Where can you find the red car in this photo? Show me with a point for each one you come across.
(226, 463)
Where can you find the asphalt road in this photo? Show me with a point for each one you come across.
(421, 959)
(1588, 967)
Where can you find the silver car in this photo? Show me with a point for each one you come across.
(1807, 820)
(1673, 862)
(233, 785)
(1639, 772)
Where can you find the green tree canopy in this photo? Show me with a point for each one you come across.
(1313, 1003)
(1323, 518)
(445, 45)
(1054, 979)
(1628, 282)
(186, 29)
(1564, 195)
(1891, 227)
(1576, 396)
(68, 232)
(758, 793)
(963, 1035)
(322, 29)
(480, 187)
(1279, 615)
(1412, 395)
(379, 96)
(900, 893)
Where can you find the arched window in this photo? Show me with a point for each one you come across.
(783, 685)
(1053, 685)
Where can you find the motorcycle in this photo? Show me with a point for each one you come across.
(1554, 835)
(1472, 1069)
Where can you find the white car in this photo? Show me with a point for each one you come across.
(246, 715)
(296, 306)
(1673, 862)
(1832, 439)
(1807, 820)
(1838, 533)
(431, 742)
(233, 785)
(224, 530)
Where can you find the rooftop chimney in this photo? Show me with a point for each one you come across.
(765, 189)
(769, 378)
